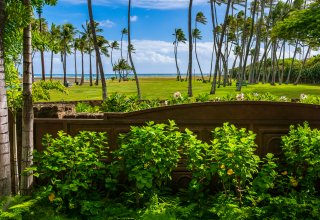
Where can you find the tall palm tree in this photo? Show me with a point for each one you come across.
(54, 44)
(129, 51)
(27, 109)
(76, 47)
(5, 181)
(124, 31)
(96, 47)
(114, 46)
(179, 38)
(39, 6)
(67, 35)
(200, 18)
(190, 48)
(223, 31)
(103, 45)
(82, 48)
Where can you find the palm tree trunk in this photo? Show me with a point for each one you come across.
(302, 66)
(103, 80)
(15, 172)
(5, 180)
(176, 59)
(90, 66)
(195, 48)
(27, 110)
(97, 73)
(75, 66)
(51, 65)
(190, 94)
(214, 83)
(65, 67)
(291, 66)
(82, 69)
(212, 8)
(129, 51)
(248, 45)
(41, 51)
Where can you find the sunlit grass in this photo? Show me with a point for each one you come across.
(163, 88)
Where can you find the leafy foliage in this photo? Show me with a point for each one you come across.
(149, 154)
(301, 151)
(73, 168)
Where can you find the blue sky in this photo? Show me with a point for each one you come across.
(153, 22)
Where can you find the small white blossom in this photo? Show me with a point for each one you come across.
(166, 102)
(177, 95)
(240, 97)
(283, 99)
(303, 96)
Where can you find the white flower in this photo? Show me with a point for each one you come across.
(166, 102)
(240, 97)
(303, 96)
(217, 99)
(177, 95)
(283, 99)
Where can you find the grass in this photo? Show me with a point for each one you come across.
(163, 88)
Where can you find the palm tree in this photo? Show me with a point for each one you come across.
(5, 181)
(76, 47)
(121, 66)
(67, 35)
(82, 48)
(103, 45)
(27, 109)
(223, 31)
(200, 18)
(129, 51)
(96, 47)
(114, 46)
(179, 38)
(39, 6)
(54, 44)
(190, 49)
(123, 32)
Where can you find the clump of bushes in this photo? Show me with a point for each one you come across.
(229, 181)
(121, 103)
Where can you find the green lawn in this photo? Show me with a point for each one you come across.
(163, 88)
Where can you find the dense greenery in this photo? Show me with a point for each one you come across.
(229, 181)
(120, 103)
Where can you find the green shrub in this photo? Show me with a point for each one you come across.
(73, 168)
(15, 207)
(148, 155)
(301, 151)
(84, 107)
(230, 156)
(115, 103)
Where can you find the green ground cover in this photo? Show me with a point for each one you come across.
(163, 88)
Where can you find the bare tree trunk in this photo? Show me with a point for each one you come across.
(190, 93)
(51, 66)
(90, 67)
(195, 48)
(214, 83)
(75, 66)
(292, 62)
(103, 80)
(27, 110)
(14, 148)
(41, 52)
(129, 52)
(214, 49)
(5, 171)
(97, 73)
(302, 66)
(82, 69)
(176, 59)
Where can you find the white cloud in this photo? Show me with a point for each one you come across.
(107, 23)
(150, 4)
(133, 18)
